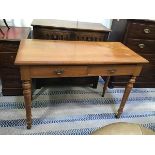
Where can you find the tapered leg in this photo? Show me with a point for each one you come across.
(126, 95)
(105, 85)
(27, 97)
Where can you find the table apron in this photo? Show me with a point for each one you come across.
(28, 72)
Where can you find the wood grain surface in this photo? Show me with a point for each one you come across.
(75, 53)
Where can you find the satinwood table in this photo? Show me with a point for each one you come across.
(56, 59)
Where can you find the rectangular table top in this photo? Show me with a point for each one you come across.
(50, 52)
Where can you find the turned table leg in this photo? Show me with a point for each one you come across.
(27, 97)
(126, 95)
(105, 85)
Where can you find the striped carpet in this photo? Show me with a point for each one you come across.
(75, 110)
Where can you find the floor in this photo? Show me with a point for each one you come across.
(75, 110)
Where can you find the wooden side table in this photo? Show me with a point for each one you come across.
(57, 59)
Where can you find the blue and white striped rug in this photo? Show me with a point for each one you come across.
(76, 110)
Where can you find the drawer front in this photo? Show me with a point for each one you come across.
(148, 69)
(91, 36)
(79, 71)
(51, 34)
(11, 83)
(141, 30)
(12, 91)
(141, 46)
(9, 46)
(11, 78)
(148, 79)
(10, 74)
(7, 59)
(136, 85)
(125, 79)
(112, 70)
(58, 71)
(149, 57)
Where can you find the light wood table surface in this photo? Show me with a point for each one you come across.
(56, 59)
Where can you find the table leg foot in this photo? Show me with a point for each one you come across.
(29, 126)
(117, 115)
